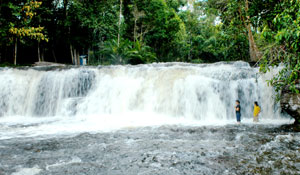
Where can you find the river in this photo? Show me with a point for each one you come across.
(166, 118)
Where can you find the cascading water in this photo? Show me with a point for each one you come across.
(178, 90)
(126, 96)
(167, 119)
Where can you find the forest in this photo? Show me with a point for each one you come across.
(266, 33)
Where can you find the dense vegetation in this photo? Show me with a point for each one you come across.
(145, 31)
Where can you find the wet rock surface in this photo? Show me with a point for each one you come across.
(290, 103)
(165, 150)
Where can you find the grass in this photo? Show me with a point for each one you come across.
(7, 64)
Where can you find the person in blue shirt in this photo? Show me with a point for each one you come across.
(238, 111)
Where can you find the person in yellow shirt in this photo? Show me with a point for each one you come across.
(256, 112)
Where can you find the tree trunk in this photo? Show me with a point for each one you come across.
(54, 56)
(77, 57)
(15, 51)
(72, 54)
(39, 53)
(42, 54)
(119, 25)
(89, 56)
(65, 8)
(190, 49)
(253, 50)
(134, 30)
(136, 17)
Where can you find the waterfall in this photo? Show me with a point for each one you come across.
(179, 90)
(166, 118)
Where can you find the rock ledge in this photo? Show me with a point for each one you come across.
(290, 103)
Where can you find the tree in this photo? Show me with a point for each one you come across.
(238, 14)
(253, 50)
(100, 20)
(120, 20)
(127, 52)
(283, 46)
(210, 40)
(21, 27)
(155, 24)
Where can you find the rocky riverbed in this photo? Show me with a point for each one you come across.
(165, 150)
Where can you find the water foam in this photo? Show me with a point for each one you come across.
(35, 102)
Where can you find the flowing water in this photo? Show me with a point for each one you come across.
(170, 118)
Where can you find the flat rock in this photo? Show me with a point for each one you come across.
(45, 63)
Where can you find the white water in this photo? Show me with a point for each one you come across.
(35, 102)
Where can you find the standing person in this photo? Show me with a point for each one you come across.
(256, 111)
(238, 111)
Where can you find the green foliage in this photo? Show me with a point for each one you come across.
(176, 4)
(284, 46)
(7, 64)
(158, 27)
(97, 18)
(126, 52)
(157, 31)
(156, 24)
(211, 37)
(22, 26)
(233, 36)
(141, 54)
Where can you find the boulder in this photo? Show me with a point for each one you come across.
(290, 103)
